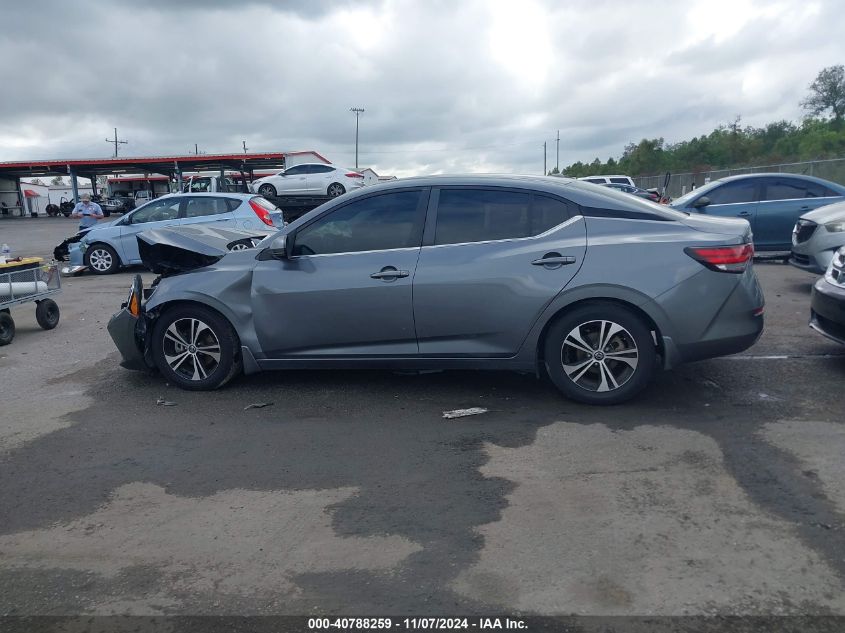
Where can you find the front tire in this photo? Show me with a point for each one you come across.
(335, 189)
(267, 190)
(600, 353)
(195, 347)
(101, 259)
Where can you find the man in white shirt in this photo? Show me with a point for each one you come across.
(89, 211)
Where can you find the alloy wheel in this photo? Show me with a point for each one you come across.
(335, 190)
(191, 349)
(599, 355)
(100, 260)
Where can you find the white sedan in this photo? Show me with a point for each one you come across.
(315, 179)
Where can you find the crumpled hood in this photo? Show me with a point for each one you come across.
(827, 213)
(180, 249)
(99, 225)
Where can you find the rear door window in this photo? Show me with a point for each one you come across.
(623, 181)
(481, 215)
(793, 188)
(205, 205)
(547, 213)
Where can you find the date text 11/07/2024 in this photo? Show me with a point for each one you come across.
(418, 623)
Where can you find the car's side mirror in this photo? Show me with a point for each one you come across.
(280, 247)
(703, 201)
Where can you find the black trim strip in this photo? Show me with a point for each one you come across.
(595, 212)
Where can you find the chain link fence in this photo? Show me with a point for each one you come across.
(832, 169)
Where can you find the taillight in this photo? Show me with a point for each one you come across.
(725, 259)
(262, 213)
(353, 174)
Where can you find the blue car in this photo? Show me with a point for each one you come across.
(109, 245)
(771, 203)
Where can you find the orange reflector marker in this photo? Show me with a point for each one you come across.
(134, 306)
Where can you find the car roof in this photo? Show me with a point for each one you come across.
(577, 191)
(777, 174)
(210, 194)
(549, 183)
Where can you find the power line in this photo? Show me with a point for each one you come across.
(357, 112)
(116, 142)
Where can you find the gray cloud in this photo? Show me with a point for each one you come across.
(447, 86)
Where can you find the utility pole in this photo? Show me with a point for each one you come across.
(545, 172)
(245, 147)
(557, 160)
(357, 112)
(115, 142)
(196, 149)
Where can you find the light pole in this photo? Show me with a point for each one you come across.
(357, 112)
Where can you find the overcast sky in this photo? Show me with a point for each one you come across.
(448, 86)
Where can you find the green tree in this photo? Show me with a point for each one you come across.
(827, 92)
(57, 181)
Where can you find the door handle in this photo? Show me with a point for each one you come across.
(389, 273)
(745, 214)
(554, 259)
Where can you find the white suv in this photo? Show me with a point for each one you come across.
(606, 180)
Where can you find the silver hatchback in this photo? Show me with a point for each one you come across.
(594, 288)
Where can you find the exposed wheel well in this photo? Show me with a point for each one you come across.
(652, 326)
(162, 308)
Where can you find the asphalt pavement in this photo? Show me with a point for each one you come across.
(720, 490)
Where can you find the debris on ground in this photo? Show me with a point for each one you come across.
(461, 413)
(164, 403)
(258, 405)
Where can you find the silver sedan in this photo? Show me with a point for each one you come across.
(594, 288)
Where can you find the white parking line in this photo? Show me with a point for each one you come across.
(783, 356)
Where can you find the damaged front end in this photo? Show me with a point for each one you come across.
(71, 251)
(182, 249)
(128, 329)
(168, 252)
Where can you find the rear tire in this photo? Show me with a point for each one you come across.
(335, 189)
(101, 259)
(47, 314)
(267, 190)
(7, 328)
(600, 353)
(195, 347)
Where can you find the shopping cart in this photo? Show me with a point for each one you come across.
(28, 279)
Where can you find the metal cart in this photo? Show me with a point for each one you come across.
(28, 279)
